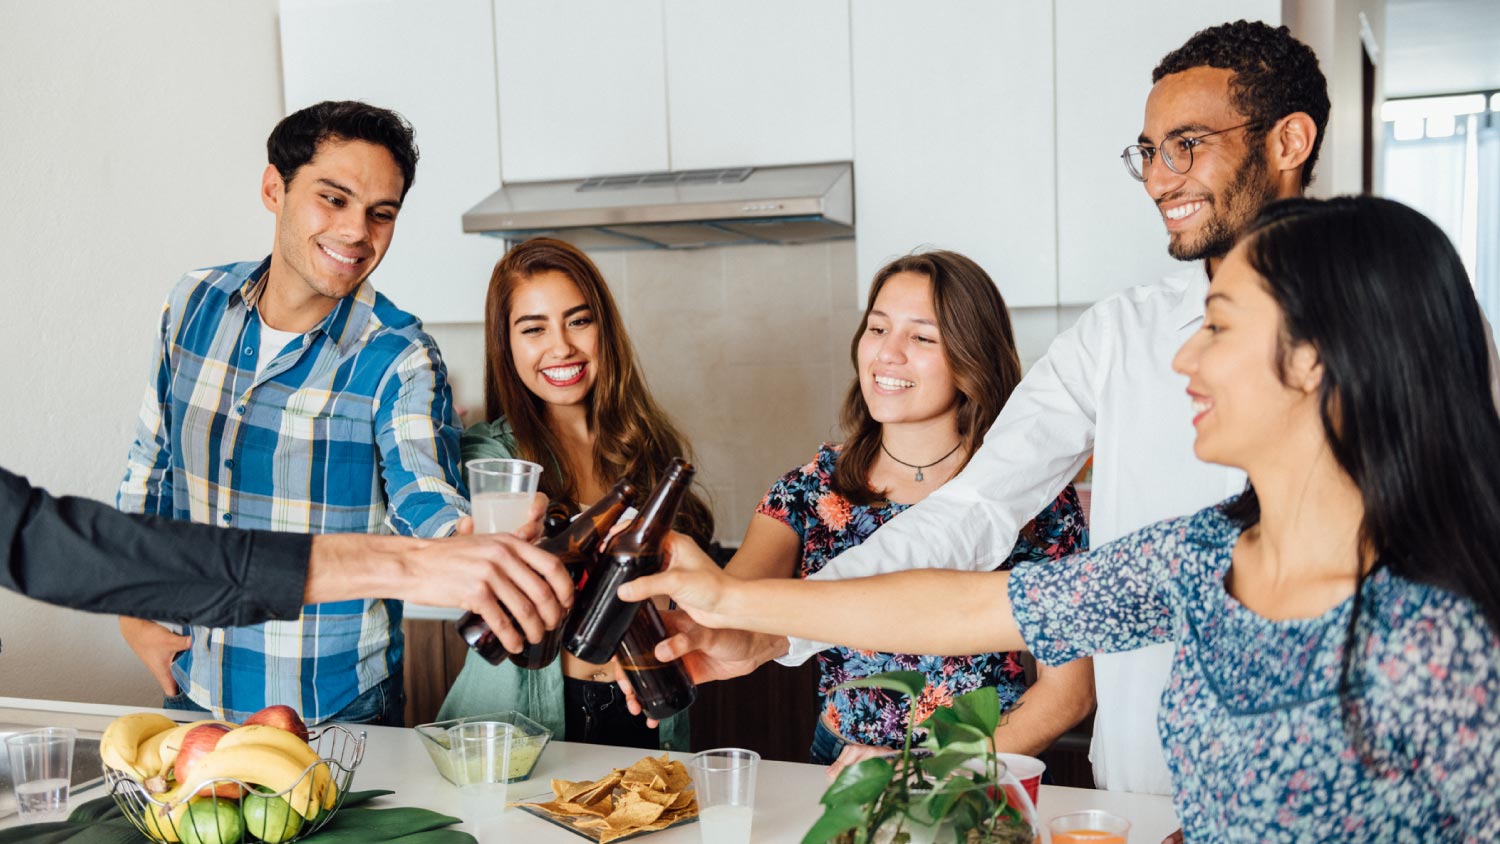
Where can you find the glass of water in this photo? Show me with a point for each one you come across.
(725, 783)
(41, 765)
(480, 754)
(501, 492)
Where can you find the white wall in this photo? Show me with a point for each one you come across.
(133, 139)
(1332, 30)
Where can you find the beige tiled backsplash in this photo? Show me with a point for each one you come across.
(746, 347)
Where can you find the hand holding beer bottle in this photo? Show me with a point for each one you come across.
(574, 544)
(604, 625)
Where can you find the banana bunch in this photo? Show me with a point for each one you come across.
(144, 744)
(146, 747)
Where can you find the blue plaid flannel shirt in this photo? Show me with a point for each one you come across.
(352, 431)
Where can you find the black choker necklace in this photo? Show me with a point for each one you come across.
(915, 466)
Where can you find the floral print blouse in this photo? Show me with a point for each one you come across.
(828, 524)
(1251, 719)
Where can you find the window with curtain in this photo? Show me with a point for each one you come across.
(1442, 157)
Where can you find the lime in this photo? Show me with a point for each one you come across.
(271, 819)
(211, 821)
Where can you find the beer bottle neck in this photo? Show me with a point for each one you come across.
(649, 530)
(586, 530)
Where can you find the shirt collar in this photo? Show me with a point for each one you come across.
(345, 323)
(1193, 280)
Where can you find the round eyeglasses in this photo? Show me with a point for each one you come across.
(1176, 152)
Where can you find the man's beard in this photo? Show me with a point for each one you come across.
(1241, 203)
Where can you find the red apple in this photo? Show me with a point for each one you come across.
(197, 744)
(282, 717)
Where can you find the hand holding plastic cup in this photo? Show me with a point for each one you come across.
(501, 492)
(41, 765)
(724, 780)
(1089, 827)
(480, 755)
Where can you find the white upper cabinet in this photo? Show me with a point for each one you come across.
(953, 138)
(754, 84)
(1111, 236)
(582, 88)
(434, 63)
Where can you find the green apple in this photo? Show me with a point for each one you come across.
(212, 820)
(271, 819)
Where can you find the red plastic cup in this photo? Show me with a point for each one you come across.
(1027, 769)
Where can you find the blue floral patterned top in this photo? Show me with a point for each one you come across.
(828, 524)
(1251, 719)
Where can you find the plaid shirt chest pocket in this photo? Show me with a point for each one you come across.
(310, 464)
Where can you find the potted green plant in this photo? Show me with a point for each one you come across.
(960, 785)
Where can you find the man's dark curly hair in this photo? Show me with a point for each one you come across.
(295, 139)
(1274, 75)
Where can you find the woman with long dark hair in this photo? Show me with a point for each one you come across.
(934, 361)
(1338, 665)
(562, 389)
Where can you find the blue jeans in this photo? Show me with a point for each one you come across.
(383, 704)
(826, 745)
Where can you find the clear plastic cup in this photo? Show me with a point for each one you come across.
(480, 754)
(501, 493)
(1089, 827)
(41, 765)
(724, 780)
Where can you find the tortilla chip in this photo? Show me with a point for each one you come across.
(650, 795)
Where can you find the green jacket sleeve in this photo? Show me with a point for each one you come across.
(488, 439)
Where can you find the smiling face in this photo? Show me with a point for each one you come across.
(554, 338)
(1250, 397)
(334, 221)
(1229, 182)
(903, 372)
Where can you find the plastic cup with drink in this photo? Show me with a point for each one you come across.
(41, 765)
(1089, 827)
(724, 780)
(501, 492)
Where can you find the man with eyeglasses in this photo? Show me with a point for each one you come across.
(1234, 121)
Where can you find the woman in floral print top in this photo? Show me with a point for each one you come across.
(1337, 626)
(934, 361)
(827, 524)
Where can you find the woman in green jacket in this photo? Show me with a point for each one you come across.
(562, 389)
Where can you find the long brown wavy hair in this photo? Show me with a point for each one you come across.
(978, 345)
(633, 437)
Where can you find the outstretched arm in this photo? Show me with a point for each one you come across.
(863, 613)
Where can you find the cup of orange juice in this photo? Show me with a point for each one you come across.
(1089, 827)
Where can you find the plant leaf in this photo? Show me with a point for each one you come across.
(860, 783)
(835, 821)
(947, 795)
(948, 733)
(909, 683)
(944, 763)
(979, 708)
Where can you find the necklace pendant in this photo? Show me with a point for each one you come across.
(919, 475)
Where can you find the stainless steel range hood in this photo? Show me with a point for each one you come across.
(677, 210)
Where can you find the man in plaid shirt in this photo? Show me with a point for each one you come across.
(288, 395)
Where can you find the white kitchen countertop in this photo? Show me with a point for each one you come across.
(786, 793)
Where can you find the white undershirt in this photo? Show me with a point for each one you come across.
(272, 344)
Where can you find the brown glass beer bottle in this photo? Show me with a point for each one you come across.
(575, 545)
(663, 688)
(599, 617)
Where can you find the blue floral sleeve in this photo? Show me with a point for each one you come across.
(1114, 598)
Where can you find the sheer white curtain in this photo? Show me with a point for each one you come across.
(1455, 180)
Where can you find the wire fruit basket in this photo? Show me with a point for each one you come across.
(257, 813)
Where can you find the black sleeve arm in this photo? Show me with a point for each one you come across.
(82, 554)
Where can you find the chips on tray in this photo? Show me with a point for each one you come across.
(650, 795)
